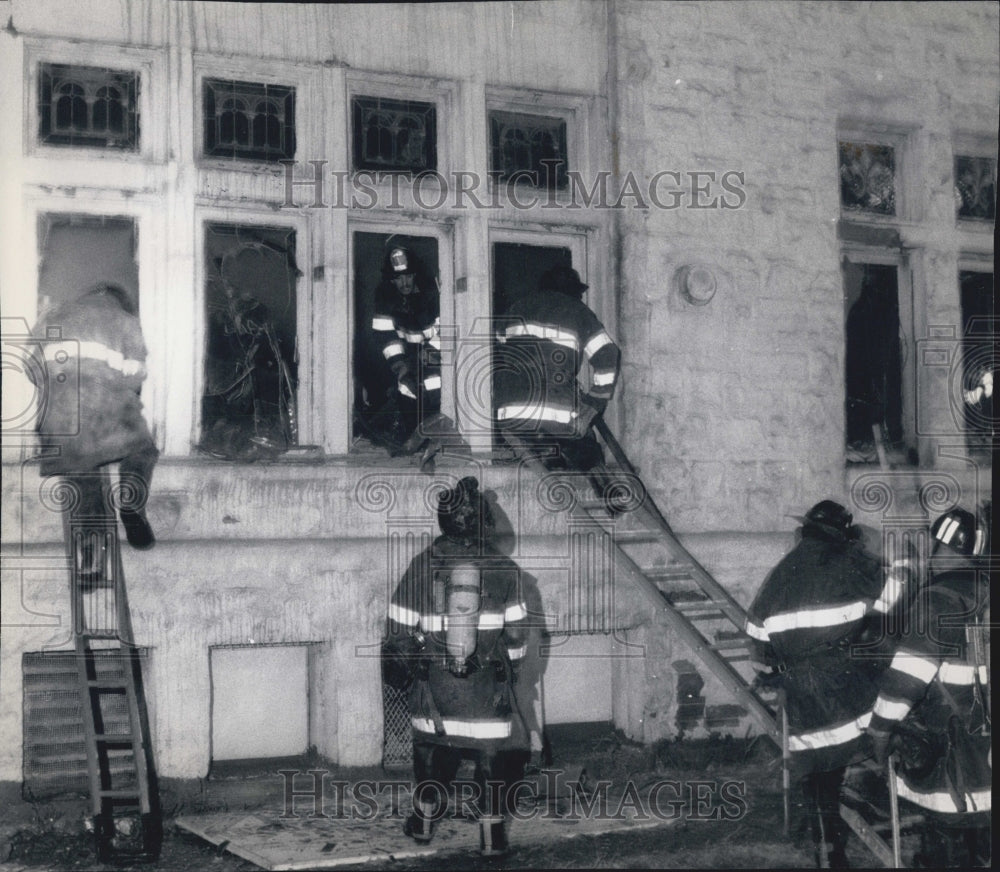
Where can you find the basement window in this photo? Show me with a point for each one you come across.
(91, 107)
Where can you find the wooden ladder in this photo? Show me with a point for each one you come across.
(123, 787)
(648, 553)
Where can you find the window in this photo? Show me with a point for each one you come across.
(398, 136)
(92, 107)
(867, 177)
(249, 403)
(874, 360)
(248, 120)
(374, 383)
(978, 358)
(528, 148)
(78, 251)
(975, 188)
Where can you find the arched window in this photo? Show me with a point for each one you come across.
(71, 108)
(88, 106)
(248, 120)
(108, 112)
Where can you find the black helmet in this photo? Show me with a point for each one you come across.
(563, 279)
(959, 530)
(830, 519)
(463, 512)
(399, 261)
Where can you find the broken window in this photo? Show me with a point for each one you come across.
(248, 120)
(249, 405)
(394, 135)
(528, 148)
(92, 107)
(874, 360)
(80, 251)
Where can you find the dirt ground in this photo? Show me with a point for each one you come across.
(748, 833)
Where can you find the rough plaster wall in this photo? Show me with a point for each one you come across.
(748, 390)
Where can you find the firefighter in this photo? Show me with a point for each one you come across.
(93, 357)
(824, 598)
(933, 705)
(456, 634)
(406, 327)
(545, 338)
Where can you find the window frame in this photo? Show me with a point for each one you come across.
(443, 93)
(906, 195)
(974, 230)
(574, 109)
(311, 415)
(149, 65)
(342, 436)
(858, 253)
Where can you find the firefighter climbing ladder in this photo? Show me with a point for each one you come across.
(701, 611)
(123, 793)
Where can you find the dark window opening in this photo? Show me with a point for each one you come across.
(867, 178)
(978, 359)
(248, 407)
(92, 107)
(976, 188)
(528, 148)
(394, 135)
(249, 120)
(874, 359)
(375, 385)
(517, 269)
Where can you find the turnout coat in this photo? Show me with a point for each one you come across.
(545, 337)
(90, 363)
(814, 607)
(935, 696)
(476, 710)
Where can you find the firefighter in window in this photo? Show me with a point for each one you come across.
(406, 327)
(933, 707)
(456, 635)
(823, 602)
(545, 338)
(90, 366)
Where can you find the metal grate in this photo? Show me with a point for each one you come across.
(55, 754)
(397, 744)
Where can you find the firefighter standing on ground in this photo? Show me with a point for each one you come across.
(91, 365)
(933, 703)
(545, 338)
(814, 606)
(456, 633)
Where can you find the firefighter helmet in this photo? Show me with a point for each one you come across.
(830, 519)
(563, 279)
(959, 530)
(463, 513)
(399, 261)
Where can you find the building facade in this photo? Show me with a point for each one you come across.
(729, 179)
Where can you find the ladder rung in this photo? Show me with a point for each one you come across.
(670, 573)
(730, 644)
(114, 738)
(629, 537)
(108, 684)
(121, 794)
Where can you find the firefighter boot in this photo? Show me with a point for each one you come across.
(419, 826)
(492, 836)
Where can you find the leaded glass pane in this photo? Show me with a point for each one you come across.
(93, 107)
(394, 135)
(528, 148)
(976, 187)
(868, 178)
(248, 120)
